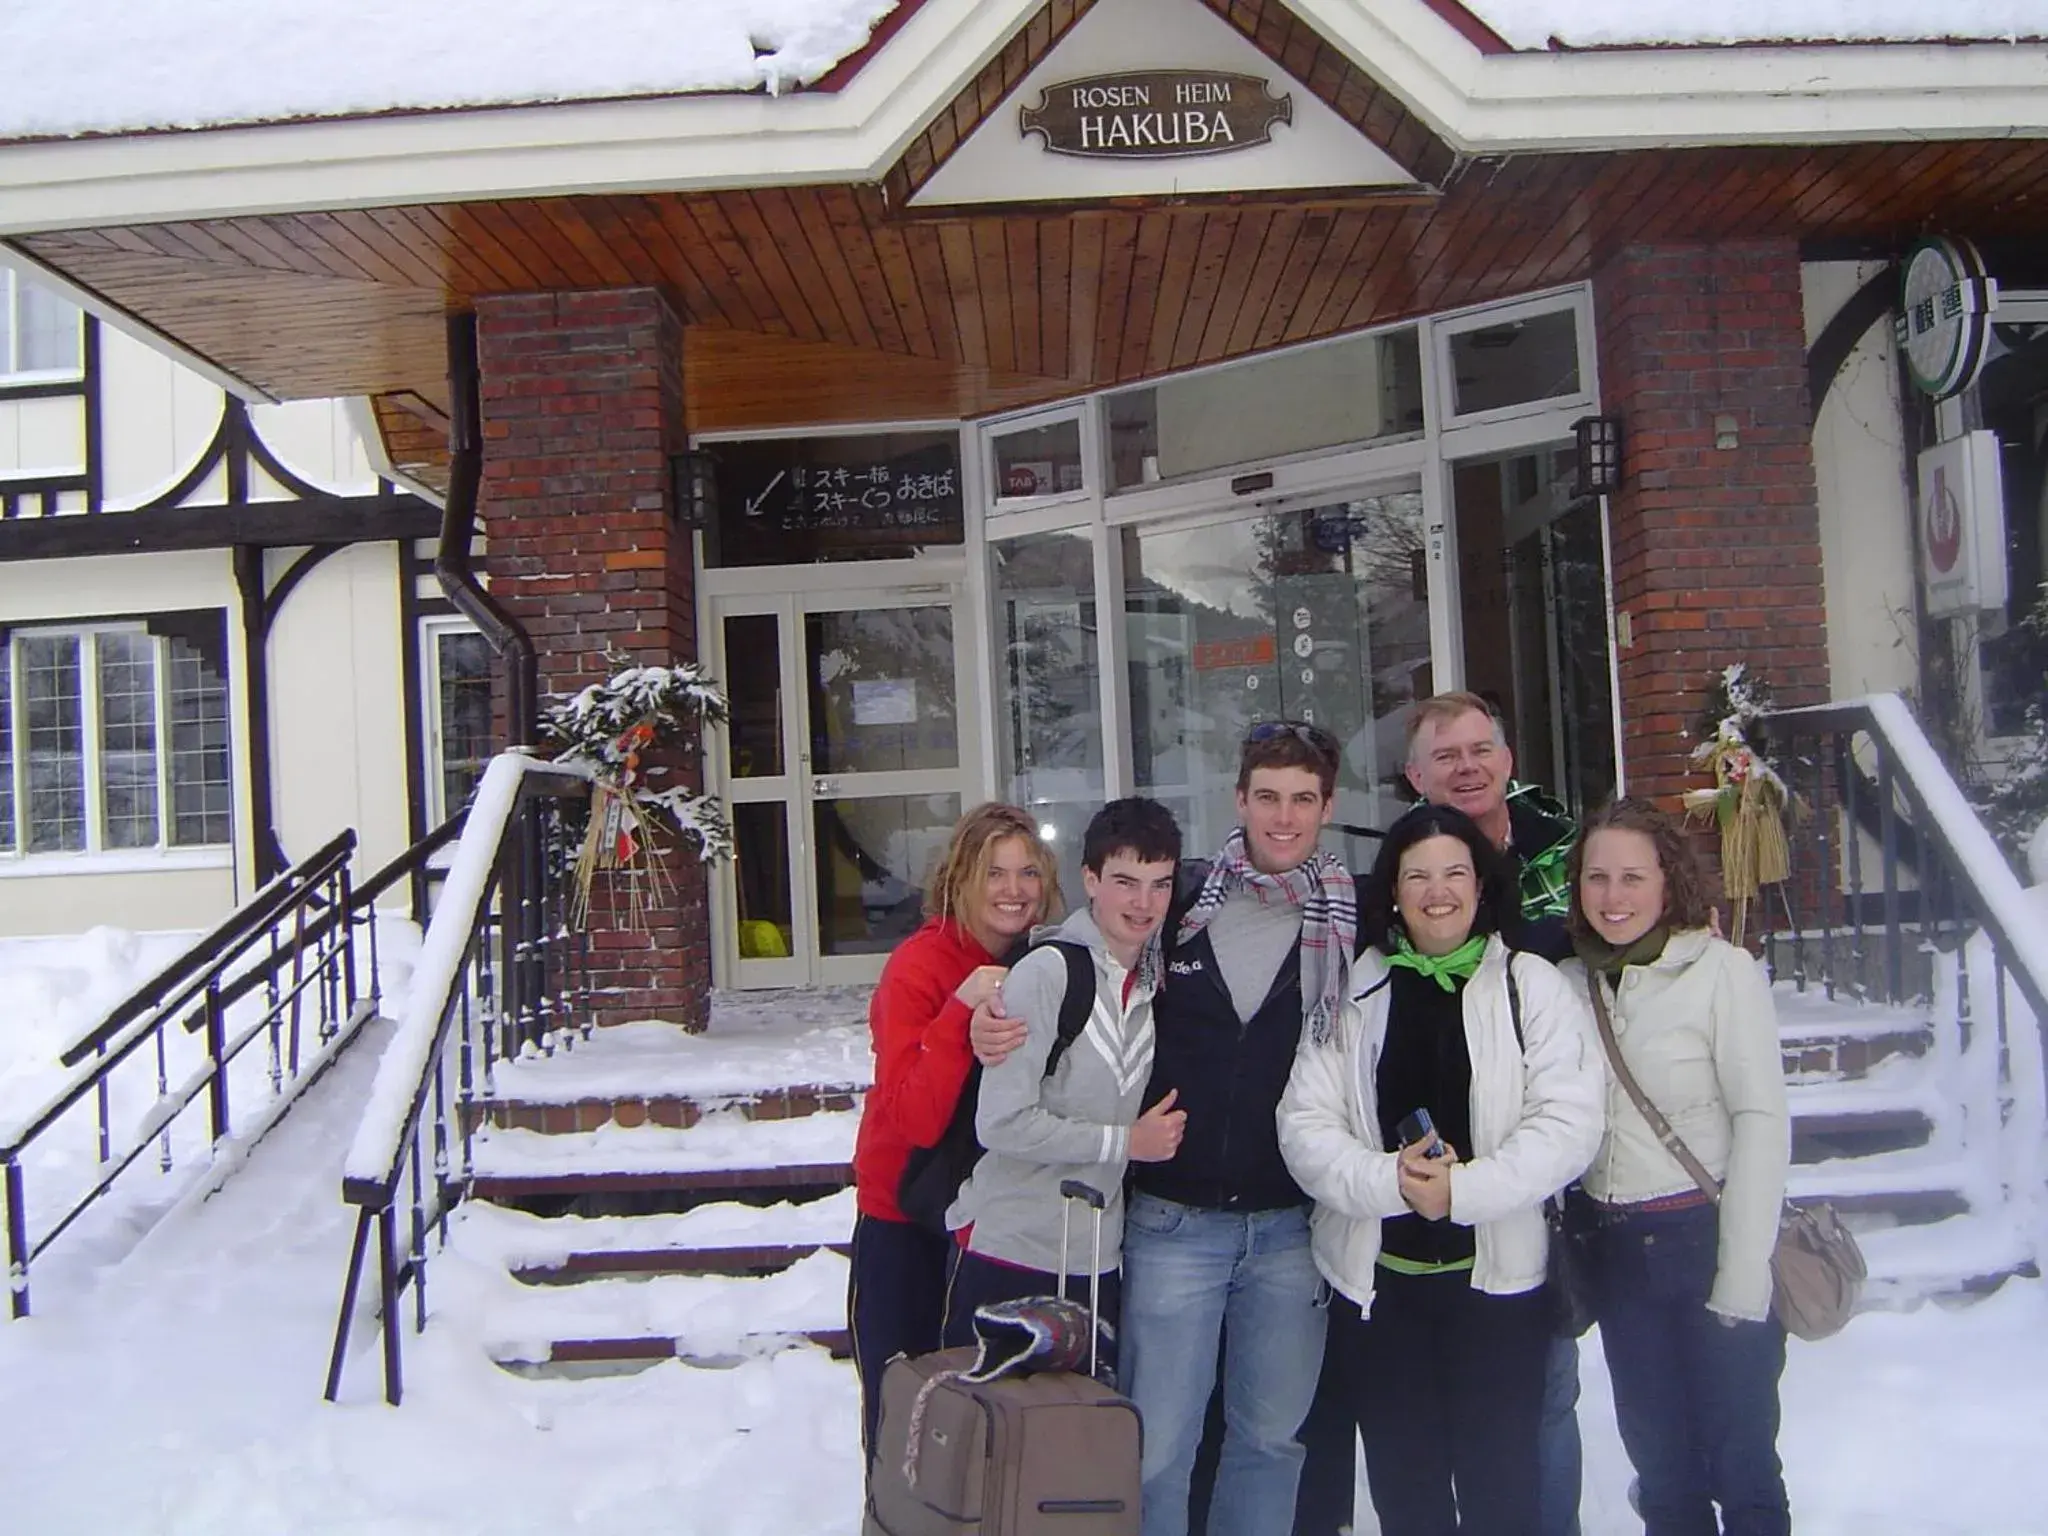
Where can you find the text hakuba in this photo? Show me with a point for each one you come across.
(1156, 113)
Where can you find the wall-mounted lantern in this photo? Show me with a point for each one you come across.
(1598, 445)
(693, 483)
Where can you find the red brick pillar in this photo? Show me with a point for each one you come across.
(582, 406)
(1717, 554)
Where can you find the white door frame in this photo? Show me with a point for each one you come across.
(789, 594)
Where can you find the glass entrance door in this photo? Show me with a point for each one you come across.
(1317, 613)
(844, 772)
(1533, 600)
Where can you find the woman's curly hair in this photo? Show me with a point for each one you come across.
(1688, 899)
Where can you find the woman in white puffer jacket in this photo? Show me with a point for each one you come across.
(1437, 1250)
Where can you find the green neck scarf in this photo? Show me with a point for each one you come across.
(1608, 960)
(1445, 970)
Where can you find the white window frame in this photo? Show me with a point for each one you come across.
(1085, 418)
(433, 731)
(11, 283)
(16, 857)
(1441, 330)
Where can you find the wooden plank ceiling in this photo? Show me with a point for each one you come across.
(833, 303)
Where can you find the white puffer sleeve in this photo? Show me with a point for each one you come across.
(1323, 1127)
(1559, 1128)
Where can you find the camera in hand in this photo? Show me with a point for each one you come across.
(1419, 1127)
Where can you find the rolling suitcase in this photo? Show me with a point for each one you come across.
(1048, 1453)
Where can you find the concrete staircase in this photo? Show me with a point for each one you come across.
(1891, 1118)
(646, 1196)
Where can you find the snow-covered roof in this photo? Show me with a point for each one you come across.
(1530, 24)
(115, 66)
(118, 66)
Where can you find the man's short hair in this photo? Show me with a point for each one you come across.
(1288, 744)
(1441, 708)
(1142, 828)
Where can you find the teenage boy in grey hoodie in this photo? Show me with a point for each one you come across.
(1081, 1120)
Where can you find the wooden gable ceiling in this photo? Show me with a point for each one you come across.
(835, 303)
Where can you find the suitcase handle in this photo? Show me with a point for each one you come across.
(1070, 1191)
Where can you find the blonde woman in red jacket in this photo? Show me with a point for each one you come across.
(995, 882)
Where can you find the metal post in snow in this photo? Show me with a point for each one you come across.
(349, 1286)
(17, 1240)
(216, 1047)
(387, 1271)
(345, 911)
(1888, 823)
(1847, 773)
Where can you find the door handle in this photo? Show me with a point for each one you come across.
(824, 786)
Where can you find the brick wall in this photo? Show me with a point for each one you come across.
(582, 405)
(1717, 554)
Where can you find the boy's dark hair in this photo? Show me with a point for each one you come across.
(1143, 828)
(1288, 744)
(1379, 918)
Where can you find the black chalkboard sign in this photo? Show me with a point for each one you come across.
(792, 500)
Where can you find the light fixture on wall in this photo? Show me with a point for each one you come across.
(1597, 440)
(693, 484)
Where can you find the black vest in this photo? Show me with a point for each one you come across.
(1230, 1077)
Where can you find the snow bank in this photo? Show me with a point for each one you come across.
(1618, 23)
(112, 66)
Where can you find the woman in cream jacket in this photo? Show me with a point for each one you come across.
(1437, 1249)
(1682, 1287)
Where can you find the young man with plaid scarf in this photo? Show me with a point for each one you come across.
(1216, 1241)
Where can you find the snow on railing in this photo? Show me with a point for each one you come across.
(402, 1074)
(1946, 924)
(500, 969)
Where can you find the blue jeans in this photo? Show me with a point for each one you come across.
(1188, 1272)
(1696, 1398)
(1558, 1454)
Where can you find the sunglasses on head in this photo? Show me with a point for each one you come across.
(1313, 735)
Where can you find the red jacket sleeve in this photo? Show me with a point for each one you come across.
(921, 1052)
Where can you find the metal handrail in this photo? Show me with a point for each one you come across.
(252, 918)
(483, 985)
(201, 985)
(1942, 816)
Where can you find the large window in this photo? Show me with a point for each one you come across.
(114, 737)
(39, 332)
(459, 670)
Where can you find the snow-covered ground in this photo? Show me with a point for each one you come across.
(180, 1392)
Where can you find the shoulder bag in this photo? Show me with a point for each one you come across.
(1817, 1271)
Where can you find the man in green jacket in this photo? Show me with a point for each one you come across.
(1458, 755)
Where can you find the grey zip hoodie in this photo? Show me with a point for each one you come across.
(1075, 1124)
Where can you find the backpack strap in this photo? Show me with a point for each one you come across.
(1078, 1004)
(1515, 1006)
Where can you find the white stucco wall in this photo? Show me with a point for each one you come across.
(337, 713)
(335, 656)
(1865, 507)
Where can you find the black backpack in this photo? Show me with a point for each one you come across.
(933, 1176)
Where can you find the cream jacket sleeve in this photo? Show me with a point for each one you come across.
(1558, 1127)
(1750, 1068)
(1321, 1139)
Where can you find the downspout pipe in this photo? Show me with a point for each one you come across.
(452, 567)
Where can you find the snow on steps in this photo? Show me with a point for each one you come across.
(704, 1279)
(726, 1151)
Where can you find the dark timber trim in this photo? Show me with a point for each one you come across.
(1830, 351)
(267, 850)
(323, 520)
